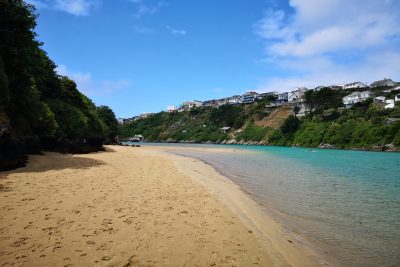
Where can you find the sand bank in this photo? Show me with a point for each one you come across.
(134, 207)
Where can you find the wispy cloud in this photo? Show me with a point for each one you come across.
(73, 7)
(143, 29)
(175, 31)
(331, 41)
(143, 8)
(88, 85)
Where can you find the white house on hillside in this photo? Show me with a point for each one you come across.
(249, 97)
(379, 99)
(356, 97)
(197, 103)
(391, 103)
(354, 85)
(297, 95)
(172, 108)
(384, 82)
(188, 105)
(236, 99)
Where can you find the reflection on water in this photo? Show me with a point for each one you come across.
(348, 201)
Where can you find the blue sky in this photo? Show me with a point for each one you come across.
(142, 55)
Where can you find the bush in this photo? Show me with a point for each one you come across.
(253, 133)
(290, 125)
(310, 133)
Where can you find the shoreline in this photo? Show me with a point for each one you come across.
(130, 207)
(255, 143)
(296, 248)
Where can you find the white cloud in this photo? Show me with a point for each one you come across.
(73, 7)
(143, 29)
(175, 31)
(332, 41)
(38, 3)
(87, 85)
(143, 8)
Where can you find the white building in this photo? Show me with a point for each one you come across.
(172, 108)
(383, 83)
(145, 115)
(397, 98)
(236, 99)
(389, 103)
(356, 97)
(354, 85)
(197, 103)
(297, 95)
(249, 97)
(379, 99)
(225, 129)
(188, 105)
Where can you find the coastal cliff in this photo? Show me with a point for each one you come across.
(326, 123)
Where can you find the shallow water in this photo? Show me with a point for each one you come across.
(347, 202)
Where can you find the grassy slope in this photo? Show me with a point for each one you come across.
(359, 127)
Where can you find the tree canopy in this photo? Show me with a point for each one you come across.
(35, 102)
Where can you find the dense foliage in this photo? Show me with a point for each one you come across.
(362, 126)
(38, 108)
(326, 122)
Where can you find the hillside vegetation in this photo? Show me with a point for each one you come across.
(38, 108)
(326, 124)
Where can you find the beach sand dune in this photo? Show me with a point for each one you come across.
(123, 207)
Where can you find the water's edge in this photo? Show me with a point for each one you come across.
(260, 219)
(344, 203)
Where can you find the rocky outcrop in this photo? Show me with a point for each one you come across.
(391, 148)
(326, 146)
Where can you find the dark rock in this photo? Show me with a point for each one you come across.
(377, 148)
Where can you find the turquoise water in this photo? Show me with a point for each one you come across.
(346, 202)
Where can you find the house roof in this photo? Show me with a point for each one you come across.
(381, 82)
(358, 93)
(391, 120)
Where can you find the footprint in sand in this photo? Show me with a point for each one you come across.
(106, 258)
(28, 226)
(57, 246)
(104, 246)
(19, 242)
(127, 221)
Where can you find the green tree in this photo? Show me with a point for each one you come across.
(109, 121)
(290, 125)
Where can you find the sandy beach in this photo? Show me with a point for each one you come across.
(135, 207)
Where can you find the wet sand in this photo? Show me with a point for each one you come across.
(134, 207)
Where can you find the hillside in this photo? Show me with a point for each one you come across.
(38, 108)
(326, 124)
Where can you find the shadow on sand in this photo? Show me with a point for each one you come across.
(55, 161)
